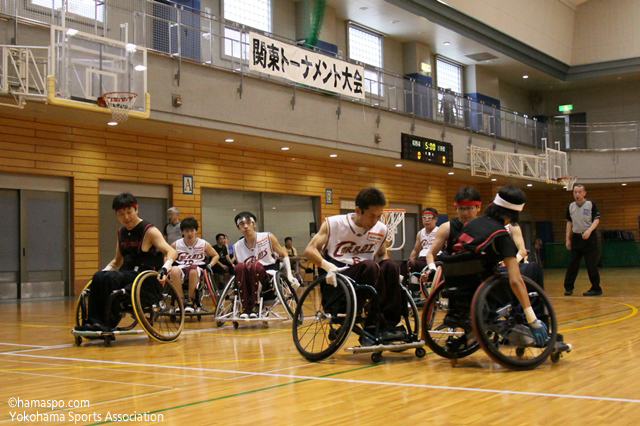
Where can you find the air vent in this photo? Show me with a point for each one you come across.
(484, 56)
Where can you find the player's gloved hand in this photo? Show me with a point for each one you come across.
(430, 272)
(539, 332)
(209, 269)
(293, 281)
(162, 275)
(331, 272)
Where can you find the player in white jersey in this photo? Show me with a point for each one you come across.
(256, 254)
(424, 239)
(349, 243)
(192, 252)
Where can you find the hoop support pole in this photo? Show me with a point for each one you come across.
(52, 100)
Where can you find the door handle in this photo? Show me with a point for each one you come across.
(24, 251)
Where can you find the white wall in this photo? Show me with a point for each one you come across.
(547, 25)
(515, 98)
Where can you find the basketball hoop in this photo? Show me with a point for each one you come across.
(567, 182)
(392, 218)
(120, 103)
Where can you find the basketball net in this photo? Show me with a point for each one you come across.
(392, 218)
(120, 103)
(567, 181)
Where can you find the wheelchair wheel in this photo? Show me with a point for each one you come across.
(82, 310)
(324, 318)
(500, 324)
(286, 293)
(206, 293)
(410, 316)
(225, 309)
(447, 334)
(158, 309)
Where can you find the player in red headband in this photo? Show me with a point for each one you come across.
(467, 203)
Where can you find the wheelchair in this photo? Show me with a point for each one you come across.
(157, 309)
(206, 297)
(461, 317)
(326, 316)
(277, 302)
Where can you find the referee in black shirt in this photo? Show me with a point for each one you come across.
(582, 219)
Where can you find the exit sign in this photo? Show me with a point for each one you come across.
(565, 108)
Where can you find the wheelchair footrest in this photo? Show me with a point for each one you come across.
(398, 347)
(99, 334)
(249, 320)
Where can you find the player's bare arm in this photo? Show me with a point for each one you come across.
(442, 234)
(208, 249)
(313, 249)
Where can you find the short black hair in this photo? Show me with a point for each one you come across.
(219, 235)
(124, 201)
(468, 193)
(288, 239)
(245, 214)
(370, 197)
(430, 209)
(189, 223)
(514, 196)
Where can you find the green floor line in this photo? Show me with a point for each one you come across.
(242, 393)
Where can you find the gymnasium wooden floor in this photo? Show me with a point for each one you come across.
(255, 375)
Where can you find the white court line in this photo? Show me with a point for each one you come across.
(42, 348)
(333, 379)
(19, 344)
(111, 369)
(49, 376)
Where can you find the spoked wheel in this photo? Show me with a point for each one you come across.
(324, 318)
(225, 308)
(286, 294)
(448, 334)
(500, 324)
(207, 294)
(82, 311)
(158, 309)
(410, 320)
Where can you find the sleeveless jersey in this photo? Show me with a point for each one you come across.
(130, 246)
(261, 251)
(191, 255)
(346, 245)
(426, 240)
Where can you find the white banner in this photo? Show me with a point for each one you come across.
(271, 57)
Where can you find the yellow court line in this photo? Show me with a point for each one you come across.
(634, 312)
(32, 325)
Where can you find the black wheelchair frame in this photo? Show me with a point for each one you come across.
(326, 316)
(162, 319)
(460, 319)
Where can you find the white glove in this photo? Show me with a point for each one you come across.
(293, 281)
(109, 268)
(331, 272)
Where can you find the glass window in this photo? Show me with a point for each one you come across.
(85, 8)
(449, 75)
(252, 13)
(366, 47)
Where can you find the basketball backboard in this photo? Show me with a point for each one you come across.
(83, 66)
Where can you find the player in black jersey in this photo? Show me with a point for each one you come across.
(467, 203)
(140, 247)
(487, 238)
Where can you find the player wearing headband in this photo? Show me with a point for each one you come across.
(487, 237)
(140, 247)
(348, 244)
(467, 203)
(424, 239)
(256, 253)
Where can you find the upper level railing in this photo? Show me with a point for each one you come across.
(201, 37)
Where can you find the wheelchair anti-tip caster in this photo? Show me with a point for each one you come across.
(78, 340)
(421, 352)
(376, 357)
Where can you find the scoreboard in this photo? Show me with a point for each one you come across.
(427, 150)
